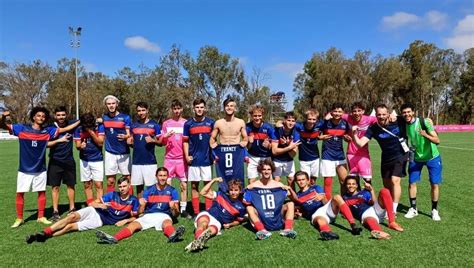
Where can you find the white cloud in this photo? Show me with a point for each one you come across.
(465, 25)
(436, 19)
(141, 43)
(90, 67)
(243, 60)
(290, 68)
(399, 19)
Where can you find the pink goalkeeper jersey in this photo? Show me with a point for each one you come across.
(174, 144)
(363, 124)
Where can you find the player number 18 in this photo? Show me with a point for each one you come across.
(268, 201)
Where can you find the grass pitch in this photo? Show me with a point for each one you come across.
(424, 242)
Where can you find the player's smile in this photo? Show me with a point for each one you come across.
(351, 186)
(310, 121)
(302, 182)
(123, 188)
(357, 114)
(257, 119)
(161, 178)
(382, 116)
(39, 118)
(408, 114)
(337, 113)
(111, 105)
(234, 192)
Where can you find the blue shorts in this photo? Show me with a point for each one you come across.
(435, 168)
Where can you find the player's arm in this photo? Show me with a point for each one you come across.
(69, 127)
(360, 142)
(64, 138)
(213, 139)
(143, 202)
(292, 146)
(431, 134)
(243, 134)
(99, 203)
(232, 224)
(97, 139)
(174, 207)
(207, 191)
(125, 221)
(186, 134)
(369, 188)
(291, 194)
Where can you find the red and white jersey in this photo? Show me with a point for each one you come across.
(174, 143)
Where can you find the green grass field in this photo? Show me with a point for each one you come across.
(424, 242)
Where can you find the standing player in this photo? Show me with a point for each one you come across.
(266, 204)
(424, 139)
(172, 138)
(117, 131)
(61, 167)
(260, 136)
(32, 170)
(391, 138)
(114, 208)
(359, 158)
(285, 148)
(369, 209)
(333, 157)
(318, 209)
(230, 152)
(143, 140)
(89, 139)
(309, 132)
(196, 136)
(226, 211)
(159, 202)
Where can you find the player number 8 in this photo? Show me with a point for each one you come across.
(268, 201)
(228, 160)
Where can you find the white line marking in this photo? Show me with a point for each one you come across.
(463, 149)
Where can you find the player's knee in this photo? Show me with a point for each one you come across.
(338, 199)
(88, 185)
(98, 185)
(384, 191)
(290, 205)
(55, 188)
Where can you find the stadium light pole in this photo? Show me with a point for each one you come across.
(75, 44)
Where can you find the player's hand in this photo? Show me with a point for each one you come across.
(286, 187)
(189, 159)
(130, 141)
(169, 134)
(218, 179)
(293, 145)
(328, 116)
(214, 145)
(355, 129)
(149, 139)
(121, 137)
(243, 144)
(347, 138)
(121, 223)
(99, 120)
(251, 138)
(392, 118)
(422, 133)
(65, 138)
(325, 137)
(83, 144)
(266, 143)
(142, 201)
(279, 123)
(226, 225)
(319, 197)
(368, 186)
(430, 121)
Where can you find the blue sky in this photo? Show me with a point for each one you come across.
(276, 36)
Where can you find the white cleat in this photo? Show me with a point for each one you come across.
(412, 212)
(435, 215)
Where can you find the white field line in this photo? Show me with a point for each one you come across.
(457, 148)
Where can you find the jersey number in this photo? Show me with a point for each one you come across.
(228, 160)
(34, 143)
(268, 201)
(111, 131)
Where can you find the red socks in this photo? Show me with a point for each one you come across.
(346, 212)
(48, 231)
(387, 203)
(208, 203)
(288, 224)
(195, 202)
(122, 234)
(258, 226)
(328, 187)
(41, 203)
(372, 224)
(110, 188)
(20, 203)
(89, 201)
(168, 230)
(324, 228)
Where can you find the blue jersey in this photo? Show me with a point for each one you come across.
(113, 126)
(159, 200)
(269, 205)
(226, 210)
(117, 209)
(260, 134)
(308, 149)
(333, 147)
(33, 144)
(229, 164)
(358, 203)
(390, 145)
(92, 152)
(63, 151)
(198, 134)
(279, 134)
(144, 152)
(307, 202)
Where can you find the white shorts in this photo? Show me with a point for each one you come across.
(144, 174)
(328, 167)
(375, 212)
(35, 181)
(252, 172)
(91, 170)
(310, 167)
(151, 220)
(199, 173)
(212, 221)
(116, 163)
(325, 212)
(284, 169)
(90, 219)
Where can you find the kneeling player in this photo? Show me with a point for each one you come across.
(114, 208)
(159, 202)
(226, 211)
(266, 198)
(318, 209)
(369, 209)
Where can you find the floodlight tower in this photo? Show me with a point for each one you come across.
(75, 44)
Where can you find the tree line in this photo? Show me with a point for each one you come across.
(438, 81)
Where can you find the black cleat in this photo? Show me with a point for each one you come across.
(186, 215)
(41, 237)
(31, 238)
(176, 236)
(355, 229)
(328, 235)
(55, 217)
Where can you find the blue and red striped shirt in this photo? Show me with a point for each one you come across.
(144, 152)
(226, 210)
(358, 203)
(308, 149)
(118, 209)
(198, 134)
(306, 199)
(158, 200)
(92, 152)
(333, 147)
(113, 126)
(260, 134)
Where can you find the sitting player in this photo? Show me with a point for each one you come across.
(226, 211)
(114, 208)
(318, 209)
(369, 209)
(159, 202)
(266, 209)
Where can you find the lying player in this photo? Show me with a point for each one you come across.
(114, 208)
(369, 209)
(318, 209)
(159, 201)
(266, 209)
(226, 211)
